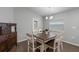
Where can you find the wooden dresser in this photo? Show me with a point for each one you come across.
(8, 36)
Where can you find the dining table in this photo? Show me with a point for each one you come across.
(43, 38)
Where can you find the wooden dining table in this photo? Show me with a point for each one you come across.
(43, 38)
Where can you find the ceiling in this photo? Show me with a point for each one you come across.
(45, 11)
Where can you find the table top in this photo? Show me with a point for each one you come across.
(45, 37)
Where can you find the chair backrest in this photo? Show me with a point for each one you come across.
(30, 37)
(59, 37)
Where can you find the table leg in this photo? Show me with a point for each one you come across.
(42, 47)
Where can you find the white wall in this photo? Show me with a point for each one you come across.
(71, 25)
(6, 15)
(24, 19)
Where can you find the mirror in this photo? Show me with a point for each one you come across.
(12, 28)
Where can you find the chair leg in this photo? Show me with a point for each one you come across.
(58, 47)
(42, 47)
(54, 50)
(45, 47)
(28, 46)
(33, 50)
(61, 46)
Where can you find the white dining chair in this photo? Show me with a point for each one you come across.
(56, 44)
(32, 43)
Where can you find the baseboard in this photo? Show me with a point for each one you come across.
(63, 41)
(21, 40)
(72, 43)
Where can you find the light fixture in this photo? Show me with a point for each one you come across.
(50, 17)
(46, 17)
